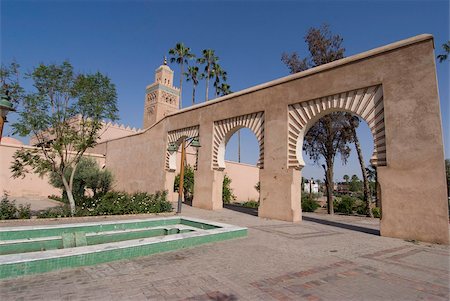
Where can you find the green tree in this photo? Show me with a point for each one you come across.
(208, 59)
(10, 82)
(346, 178)
(354, 122)
(180, 54)
(188, 183)
(87, 176)
(227, 192)
(192, 75)
(331, 134)
(444, 56)
(328, 137)
(65, 114)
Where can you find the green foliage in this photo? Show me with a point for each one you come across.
(250, 204)
(188, 183)
(55, 212)
(444, 55)
(346, 205)
(114, 203)
(258, 186)
(376, 212)
(227, 192)
(65, 113)
(88, 175)
(9, 82)
(9, 210)
(309, 203)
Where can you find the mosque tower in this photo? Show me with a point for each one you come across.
(161, 97)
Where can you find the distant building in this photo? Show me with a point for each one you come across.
(311, 186)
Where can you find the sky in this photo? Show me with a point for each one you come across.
(127, 41)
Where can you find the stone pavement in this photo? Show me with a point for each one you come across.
(322, 258)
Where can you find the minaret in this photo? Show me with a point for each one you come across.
(161, 97)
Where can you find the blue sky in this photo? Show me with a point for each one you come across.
(127, 41)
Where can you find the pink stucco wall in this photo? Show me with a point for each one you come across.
(31, 185)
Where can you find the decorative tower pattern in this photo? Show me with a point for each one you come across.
(161, 97)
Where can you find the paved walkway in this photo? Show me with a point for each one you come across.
(322, 258)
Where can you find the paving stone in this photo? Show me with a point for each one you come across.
(277, 261)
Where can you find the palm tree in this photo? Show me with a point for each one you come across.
(224, 89)
(192, 75)
(209, 59)
(180, 54)
(354, 122)
(219, 75)
(444, 56)
(346, 178)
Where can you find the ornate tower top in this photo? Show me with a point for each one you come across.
(161, 97)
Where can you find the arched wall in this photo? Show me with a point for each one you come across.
(414, 193)
(224, 129)
(367, 103)
(176, 137)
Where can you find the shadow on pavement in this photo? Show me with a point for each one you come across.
(342, 225)
(250, 211)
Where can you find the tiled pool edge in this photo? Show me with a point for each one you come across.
(84, 256)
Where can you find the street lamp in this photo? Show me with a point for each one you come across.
(5, 106)
(173, 147)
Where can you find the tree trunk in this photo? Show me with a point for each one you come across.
(2, 122)
(69, 195)
(193, 96)
(329, 174)
(181, 84)
(329, 186)
(239, 146)
(366, 200)
(207, 84)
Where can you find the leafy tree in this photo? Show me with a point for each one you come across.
(354, 122)
(88, 175)
(181, 54)
(323, 46)
(331, 134)
(188, 183)
(9, 87)
(192, 75)
(65, 114)
(10, 82)
(327, 138)
(227, 192)
(208, 59)
(444, 56)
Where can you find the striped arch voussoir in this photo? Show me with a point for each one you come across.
(224, 129)
(174, 137)
(367, 103)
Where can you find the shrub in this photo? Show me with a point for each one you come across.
(88, 175)
(376, 212)
(9, 210)
(250, 204)
(346, 205)
(227, 192)
(114, 203)
(24, 211)
(309, 204)
(61, 211)
(188, 183)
